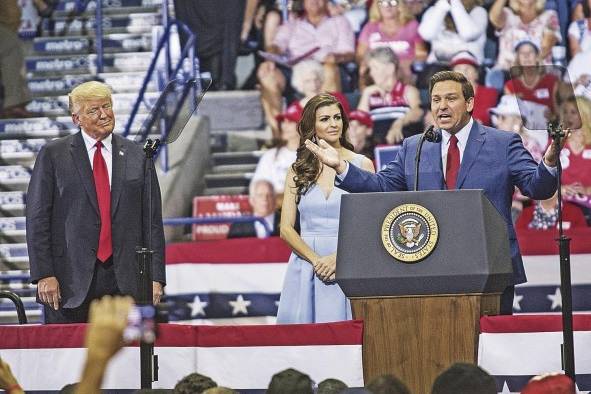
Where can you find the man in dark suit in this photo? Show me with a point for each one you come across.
(261, 197)
(470, 156)
(87, 213)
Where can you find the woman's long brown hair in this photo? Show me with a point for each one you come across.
(307, 165)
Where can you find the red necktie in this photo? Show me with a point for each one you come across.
(453, 163)
(103, 196)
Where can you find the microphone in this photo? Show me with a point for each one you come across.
(432, 135)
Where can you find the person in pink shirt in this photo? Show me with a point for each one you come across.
(516, 20)
(334, 39)
(391, 24)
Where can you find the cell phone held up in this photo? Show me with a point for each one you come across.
(141, 324)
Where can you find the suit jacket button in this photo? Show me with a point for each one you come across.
(93, 250)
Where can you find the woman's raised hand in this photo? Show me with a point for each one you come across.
(326, 154)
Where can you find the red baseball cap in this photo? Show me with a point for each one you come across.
(292, 113)
(550, 384)
(362, 117)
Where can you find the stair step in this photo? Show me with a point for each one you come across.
(14, 256)
(13, 229)
(7, 306)
(61, 125)
(119, 82)
(122, 104)
(233, 110)
(140, 22)
(218, 143)
(228, 180)
(124, 42)
(228, 190)
(15, 177)
(20, 151)
(227, 158)
(67, 7)
(233, 168)
(80, 64)
(12, 203)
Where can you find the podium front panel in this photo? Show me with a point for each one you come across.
(472, 253)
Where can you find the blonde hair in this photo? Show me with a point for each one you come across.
(540, 6)
(302, 70)
(404, 13)
(92, 90)
(584, 107)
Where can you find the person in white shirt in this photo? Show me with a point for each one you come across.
(262, 200)
(275, 162)
(452, 26)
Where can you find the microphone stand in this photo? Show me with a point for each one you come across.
(430, 135)
(148, 361)
(568, 353)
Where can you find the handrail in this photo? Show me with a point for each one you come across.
(79, 7)
(98, 36)
(187, 51)
(217, 219)
(20, 308)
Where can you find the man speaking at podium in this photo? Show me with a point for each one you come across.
(469, 156)
(87, 212)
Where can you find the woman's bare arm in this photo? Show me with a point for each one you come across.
(288, 217)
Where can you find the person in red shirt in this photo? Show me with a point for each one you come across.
(533, 85)
(543, 215)
(485, 98)
(394, 105)
(576, 155)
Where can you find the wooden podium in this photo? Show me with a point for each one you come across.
(421, 317)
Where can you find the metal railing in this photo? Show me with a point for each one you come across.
(20, 308)
(187, 52)
(79, 7)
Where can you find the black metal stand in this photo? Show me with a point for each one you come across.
(148, 361)
(568, 351)
(430, 135)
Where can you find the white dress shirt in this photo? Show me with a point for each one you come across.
(260, 229)
(462, 137)
(106, 150)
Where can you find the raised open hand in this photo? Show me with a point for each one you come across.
(327, 155)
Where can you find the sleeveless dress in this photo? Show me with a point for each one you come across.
(305, 298)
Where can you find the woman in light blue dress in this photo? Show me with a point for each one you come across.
(309, 293)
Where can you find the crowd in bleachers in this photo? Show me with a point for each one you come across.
(376, 57)
(514, 52)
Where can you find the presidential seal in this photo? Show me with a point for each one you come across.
(410, 233)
